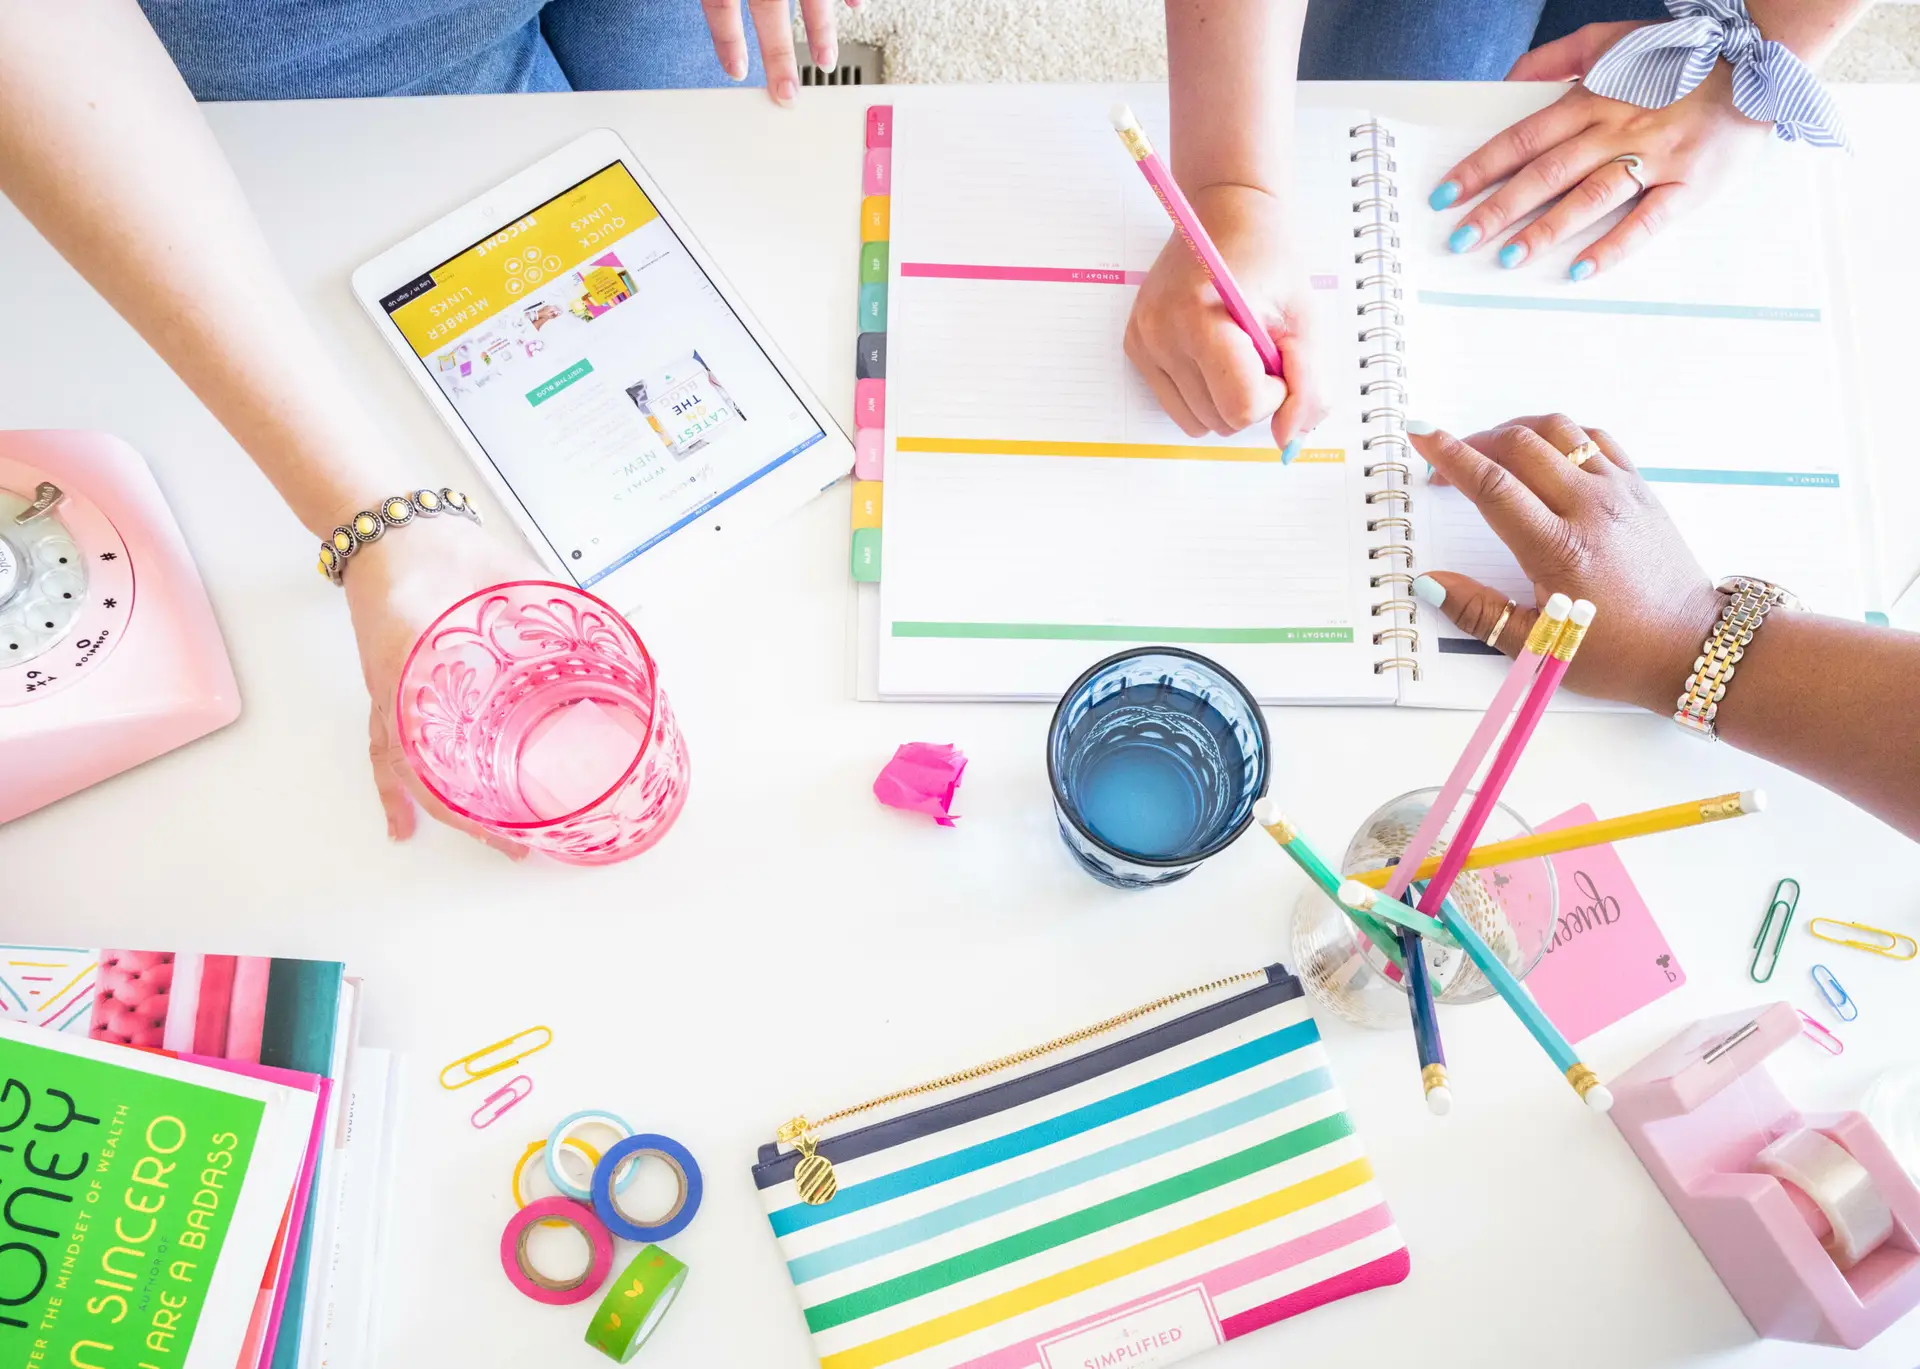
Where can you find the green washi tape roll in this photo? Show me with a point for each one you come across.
(635, 1303)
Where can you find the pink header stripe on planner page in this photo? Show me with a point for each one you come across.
(1073, 275)
(1259, 1265)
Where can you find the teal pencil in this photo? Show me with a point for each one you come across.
(1586, 1083)
(1267, 813)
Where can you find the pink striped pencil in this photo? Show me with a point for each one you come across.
(1525, 666)
(1507, 757)
(1189, 226)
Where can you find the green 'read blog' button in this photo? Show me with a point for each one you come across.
(547, 389)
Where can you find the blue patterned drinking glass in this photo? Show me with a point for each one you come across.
(1156, 757)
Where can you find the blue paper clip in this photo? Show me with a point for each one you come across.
(1843, 1007)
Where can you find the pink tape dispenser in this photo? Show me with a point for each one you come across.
(1810, 1221)
(109, 653)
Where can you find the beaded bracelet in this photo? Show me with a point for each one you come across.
(370, 526)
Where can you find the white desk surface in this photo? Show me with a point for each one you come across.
(794, 946)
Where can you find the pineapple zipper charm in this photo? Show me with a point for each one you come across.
(813, 1176)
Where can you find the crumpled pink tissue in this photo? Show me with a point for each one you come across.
(921, 778)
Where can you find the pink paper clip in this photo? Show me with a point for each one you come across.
(1820, 1036)
(497, 1104)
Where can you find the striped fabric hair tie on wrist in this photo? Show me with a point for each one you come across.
(1656, 65)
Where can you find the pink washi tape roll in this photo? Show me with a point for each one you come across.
(555, 1292)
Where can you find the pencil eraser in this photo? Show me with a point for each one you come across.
(1753, 801)
(1599, 1098)
(1440, 1100)
(1355, 894)
(1558, 607)
(1267, 812)
(1583, 611)
(1122, 118)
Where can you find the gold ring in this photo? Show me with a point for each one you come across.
(1631, 161)
(1493, 638)
(1584, 453)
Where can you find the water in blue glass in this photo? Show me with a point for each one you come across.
(1154, 771)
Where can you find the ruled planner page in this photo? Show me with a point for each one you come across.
(1714, 356)
(1041, 510)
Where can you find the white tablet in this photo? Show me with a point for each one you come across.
(621, 403)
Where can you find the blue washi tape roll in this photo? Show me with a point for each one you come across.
(677, 1157)
(560, 1134)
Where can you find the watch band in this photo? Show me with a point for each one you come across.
(370, 525)
(1750, 602)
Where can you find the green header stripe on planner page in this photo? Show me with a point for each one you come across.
(1097, 632)
(547, 389)
(1680, 475)
(1567, 304)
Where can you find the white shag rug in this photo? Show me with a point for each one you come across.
(1124, 40)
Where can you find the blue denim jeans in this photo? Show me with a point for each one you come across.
(1443, 40)
(321, 49)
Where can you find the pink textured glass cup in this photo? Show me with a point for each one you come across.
(533, 709)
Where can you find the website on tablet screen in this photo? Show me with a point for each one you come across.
(599, 368)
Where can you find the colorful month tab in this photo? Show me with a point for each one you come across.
(874, 218)
(877, 175)
(879, 126)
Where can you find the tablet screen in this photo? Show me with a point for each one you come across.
(605, 377)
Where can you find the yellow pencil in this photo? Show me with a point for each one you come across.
(1589, 834)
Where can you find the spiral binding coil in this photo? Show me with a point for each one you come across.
(1383, 392)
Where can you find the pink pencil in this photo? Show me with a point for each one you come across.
(1525, 666)
(1507, 757)
(1189, 225)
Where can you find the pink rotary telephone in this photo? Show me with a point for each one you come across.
(109, 653)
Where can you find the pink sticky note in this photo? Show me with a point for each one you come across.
(1607, 957)
(921, 778)
(877, 177)
(869, 454)
(879, 125)
(869, 403)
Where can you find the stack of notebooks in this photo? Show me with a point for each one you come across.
(204, 1154)
(1040, 510)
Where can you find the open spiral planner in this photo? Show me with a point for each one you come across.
(1040, 510)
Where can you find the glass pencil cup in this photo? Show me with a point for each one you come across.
(1514, 908)
(1156, 758)
(533, 709)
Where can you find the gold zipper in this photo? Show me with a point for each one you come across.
(813, 1176)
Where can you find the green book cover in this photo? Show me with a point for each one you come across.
(118, 1188)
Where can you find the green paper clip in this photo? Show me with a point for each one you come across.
(1784, 908)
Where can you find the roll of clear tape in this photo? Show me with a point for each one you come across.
(1858, 1217)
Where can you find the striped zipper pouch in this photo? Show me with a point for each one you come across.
(1130, 1205)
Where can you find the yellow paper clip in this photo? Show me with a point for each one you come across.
(1889, 945)
(469, 1066)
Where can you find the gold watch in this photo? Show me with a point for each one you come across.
(1750, 602)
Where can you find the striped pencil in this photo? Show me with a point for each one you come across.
(1585, 1082)
(1507, 758)
(1599, 833)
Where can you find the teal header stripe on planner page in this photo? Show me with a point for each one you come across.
(1047, 1182)
(1679, 475)
(1567, 304)
(940, 1168)
(1098, 632)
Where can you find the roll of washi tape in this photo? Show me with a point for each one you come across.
(1820, 1167)
(520, 1198)
(678, 1158)
(520, 1271)
(636, 1302)
(587, 1117)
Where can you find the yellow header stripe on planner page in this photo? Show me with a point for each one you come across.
(1144, 451)
(1106, 1269)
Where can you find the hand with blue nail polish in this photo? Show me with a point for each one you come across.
(1564, 160)
(1199, 364)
